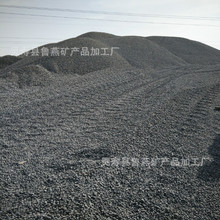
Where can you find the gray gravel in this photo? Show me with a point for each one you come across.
(54, 139)
(8, 60)
(61, 140)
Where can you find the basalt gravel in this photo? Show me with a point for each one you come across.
(106, 145)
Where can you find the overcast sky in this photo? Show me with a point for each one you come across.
(21, 32)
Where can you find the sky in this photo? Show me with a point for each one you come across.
(193, 19)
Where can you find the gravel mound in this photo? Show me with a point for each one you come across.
(30, 75)
(133, 51)
(192, 52)
(142, 53)
(112, 137)
(75, 63)
(8, 60)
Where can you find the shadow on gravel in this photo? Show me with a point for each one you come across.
(211, 171)
(94, 154)
(91, 154)
(217, 108)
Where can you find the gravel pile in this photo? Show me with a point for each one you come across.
(30, 75)
(133, 51)
(143, 53)
(192, 52)
(117, 143)
(74, 63)
(8, 60)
